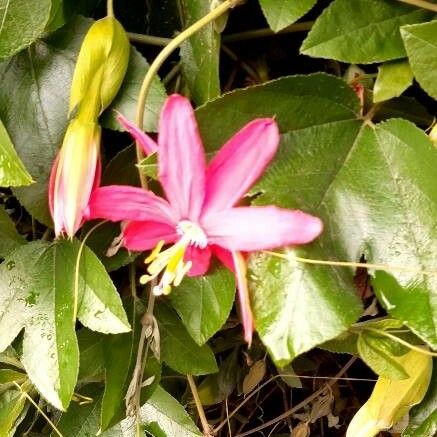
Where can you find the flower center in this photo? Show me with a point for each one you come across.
(193, 232)
(171, 261)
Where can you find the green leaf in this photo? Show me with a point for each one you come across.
(63, 11)
(362, 31)
(345, 343)
(82, 420)
(8, 375)
(38, 296)
(118, 373)
(325, 99)
(393, 79)
(297, 307)
(421, 45)
(423, 417)
(9, 237)
(217, 387)
(100, 241)
(120, 169)
(390, 225)
(376, 353)
(411, 302)
(165, 411)
(34, 103)
(282, 13)
(12, 170)
(200, 54)
(178, 349)
(21, 23)
(99, 306)
(12, 403)
(92, 363)
(404, 107)
(204, 303)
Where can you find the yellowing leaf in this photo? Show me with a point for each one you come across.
(392, 399)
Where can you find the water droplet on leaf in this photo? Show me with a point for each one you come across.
(10, 265)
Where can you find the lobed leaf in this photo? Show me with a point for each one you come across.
(362, 31)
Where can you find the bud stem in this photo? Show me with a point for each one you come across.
(163, 55)
(110, 8)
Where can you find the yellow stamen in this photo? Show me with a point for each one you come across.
(170, 262)
(154, 252)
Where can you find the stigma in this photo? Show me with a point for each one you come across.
(170, 262)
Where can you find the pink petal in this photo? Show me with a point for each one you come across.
(147, 144)
(224, 256)
(257, 228)
(52, 188)
(181, 158)
(145, 235)
(74, 175)
(243, 296)
(121, 202)
(200, 259)
(239, 163)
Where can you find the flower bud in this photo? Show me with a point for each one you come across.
(75, 173)
(392, 399)
(100, 68)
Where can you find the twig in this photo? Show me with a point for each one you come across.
(206, 427)
(301, 404)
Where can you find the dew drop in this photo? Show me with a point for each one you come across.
(10, 265)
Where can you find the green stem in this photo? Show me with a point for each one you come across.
(110, 8)
(421, 4)
(262, 33)
(148, 39)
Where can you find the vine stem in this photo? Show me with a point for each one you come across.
(401, 341)
(266, 32)
(421, 4)
(385, 267)
(206, 427)
(160, 59)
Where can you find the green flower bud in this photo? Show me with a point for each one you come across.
(100, 68)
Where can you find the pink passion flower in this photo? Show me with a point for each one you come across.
(199, 217)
